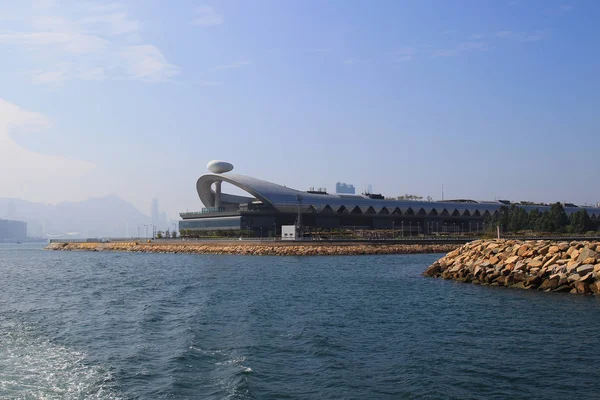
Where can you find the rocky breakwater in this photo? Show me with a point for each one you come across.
(277, 249)
(538, 265)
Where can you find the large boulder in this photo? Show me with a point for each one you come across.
(582, 288)
(512, 259)
(553, 250)
(586, 253)
(585, 269)
(549, 284)
(522, 250)
(587, 278)
(535, 263)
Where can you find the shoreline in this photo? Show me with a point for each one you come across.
(272, 249)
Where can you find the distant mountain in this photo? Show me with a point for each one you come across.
(108, 216)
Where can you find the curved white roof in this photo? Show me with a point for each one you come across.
(285, 199)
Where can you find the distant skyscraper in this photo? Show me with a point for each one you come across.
(344, 188)
(155, 211)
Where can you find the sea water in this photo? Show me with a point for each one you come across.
(83, 325)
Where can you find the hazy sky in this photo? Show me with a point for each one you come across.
(490, 98)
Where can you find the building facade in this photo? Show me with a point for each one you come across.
(268, 206)
(12, 230)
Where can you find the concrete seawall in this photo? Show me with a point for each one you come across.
(253, 248)
(538, 265)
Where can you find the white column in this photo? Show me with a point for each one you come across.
(218, 194)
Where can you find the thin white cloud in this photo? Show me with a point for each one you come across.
(97, 41)
(32, 173)
(403, 54)
(105, 7)
(53, 77)
(51, 23)
(41, 5)
(208, 83)
(113, 24)
(354, 61)
(520, 36)
(147, 63)
(92, 74)
(68, 42)
(318, 50)
(206, 16)
(236, 64)
(445, 53)
(461, 48)
(466, 46)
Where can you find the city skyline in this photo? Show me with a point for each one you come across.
(493, 100)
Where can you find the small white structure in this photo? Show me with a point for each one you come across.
(288, 232)
(219, 167)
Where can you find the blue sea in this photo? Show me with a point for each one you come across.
(78, 325)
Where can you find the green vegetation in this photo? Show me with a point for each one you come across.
(555, 220)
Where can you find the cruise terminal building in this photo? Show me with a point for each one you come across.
(267, 206)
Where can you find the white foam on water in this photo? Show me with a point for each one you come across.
(32, 367)
(230, 373)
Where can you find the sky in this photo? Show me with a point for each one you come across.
(491, 99)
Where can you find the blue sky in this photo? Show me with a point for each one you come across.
(492, 99)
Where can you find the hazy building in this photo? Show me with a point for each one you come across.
(344, 188)
(154, 212)
(12, 230)
(11, 212)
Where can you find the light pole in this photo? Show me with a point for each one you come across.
(146, 231)
(402, 231)
(261, 232)
(410, 228)
(418, 228)
(393, 229)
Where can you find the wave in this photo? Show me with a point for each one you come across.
(33, 367)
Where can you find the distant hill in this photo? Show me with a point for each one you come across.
(108, 216)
